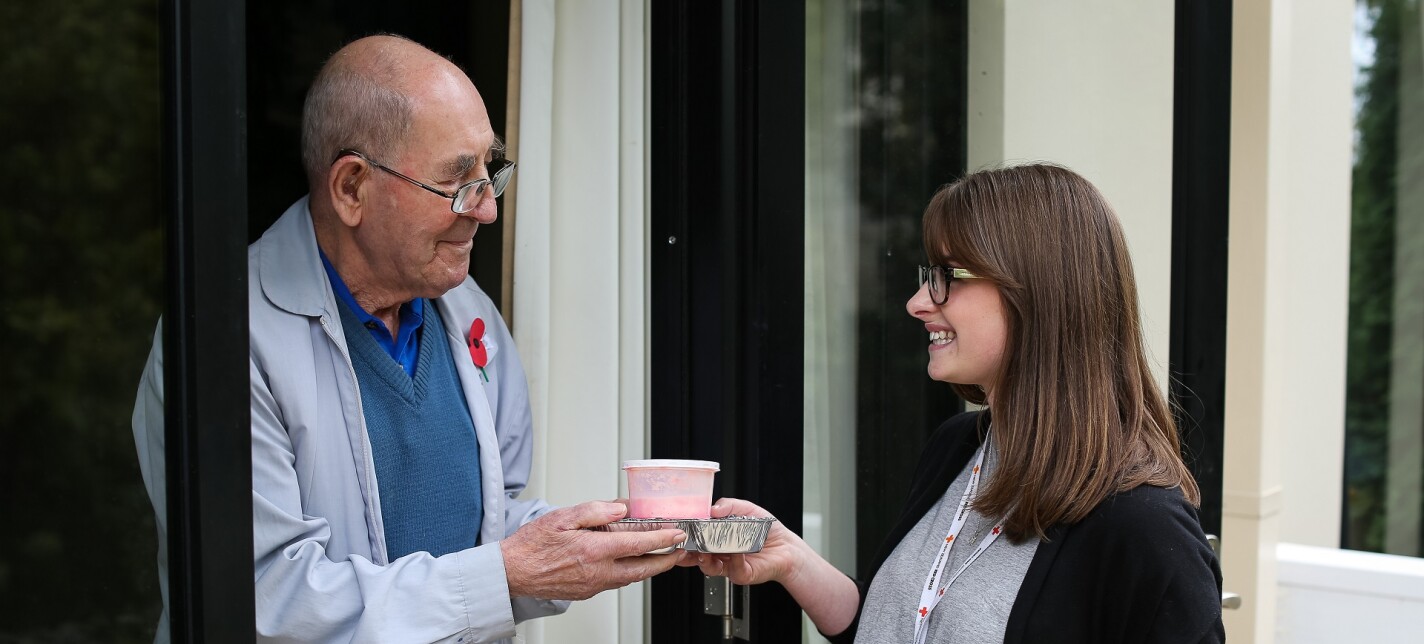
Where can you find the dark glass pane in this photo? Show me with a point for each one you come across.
(912, 140)
(886, 112)
(1384, 403)
(81, 246)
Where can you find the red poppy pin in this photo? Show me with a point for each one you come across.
(476, 342)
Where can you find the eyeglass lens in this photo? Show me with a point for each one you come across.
(936, 277)
(469, 196)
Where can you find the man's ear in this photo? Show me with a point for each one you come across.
(345, 181)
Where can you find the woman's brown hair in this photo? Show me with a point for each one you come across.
(1077, 415)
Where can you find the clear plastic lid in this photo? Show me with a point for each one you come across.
(673, 463)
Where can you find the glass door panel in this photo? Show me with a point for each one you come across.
(885, 127)
(81, 243)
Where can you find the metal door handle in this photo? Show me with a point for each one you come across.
(719, 599)
(1229, 600)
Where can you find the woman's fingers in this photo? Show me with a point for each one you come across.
(727, 506)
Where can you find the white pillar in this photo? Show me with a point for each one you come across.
(1308, 259)
(580, 270)
(1251, 467)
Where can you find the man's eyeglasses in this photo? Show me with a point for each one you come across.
(939, 278)
(464, 198)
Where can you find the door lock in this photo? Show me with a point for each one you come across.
(719, 600)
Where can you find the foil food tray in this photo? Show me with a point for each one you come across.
(726, 535)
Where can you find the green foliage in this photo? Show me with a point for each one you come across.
(81, 266)
(1372, 280)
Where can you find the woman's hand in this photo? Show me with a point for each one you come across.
(828, 596)
(781, 555)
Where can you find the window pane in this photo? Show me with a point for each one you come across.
(81, 246)
(885, 114)
(1384, 408)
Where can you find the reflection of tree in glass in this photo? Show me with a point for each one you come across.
(1372, 261)
(80, 264)
(909, 72)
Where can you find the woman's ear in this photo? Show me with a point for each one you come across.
(344, 182)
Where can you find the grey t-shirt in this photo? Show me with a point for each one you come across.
(976, 607)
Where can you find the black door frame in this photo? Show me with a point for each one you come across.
(208, 429)
(727, 222)
(1201, 176)
(208, 453)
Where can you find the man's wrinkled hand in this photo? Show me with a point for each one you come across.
(557, 557)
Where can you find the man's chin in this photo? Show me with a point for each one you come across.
(454, 280)
(448, 276)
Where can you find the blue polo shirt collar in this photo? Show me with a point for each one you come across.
(405, 348)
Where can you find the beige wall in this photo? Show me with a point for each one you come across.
(1088, 85)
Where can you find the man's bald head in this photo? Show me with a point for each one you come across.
(364, 98)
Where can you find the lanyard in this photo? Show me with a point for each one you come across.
(933, 592)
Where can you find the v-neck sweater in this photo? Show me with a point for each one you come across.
(422, 440)
(975, 607)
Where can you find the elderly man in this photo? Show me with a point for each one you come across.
(390, 415)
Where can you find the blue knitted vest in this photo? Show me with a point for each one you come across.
(422, 440)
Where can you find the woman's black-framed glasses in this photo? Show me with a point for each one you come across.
(464, 198)
(939, 278)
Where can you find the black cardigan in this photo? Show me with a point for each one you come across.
(1136, 569)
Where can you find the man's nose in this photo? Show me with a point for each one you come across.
(487, 210)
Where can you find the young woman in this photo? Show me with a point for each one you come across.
(1061, 513)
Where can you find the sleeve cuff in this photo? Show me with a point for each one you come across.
(485, 593)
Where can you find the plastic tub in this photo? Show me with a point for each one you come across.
(670, 488)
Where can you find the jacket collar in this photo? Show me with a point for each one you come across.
(293, 279)
(289, 266)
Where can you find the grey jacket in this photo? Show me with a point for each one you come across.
(322, 572)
